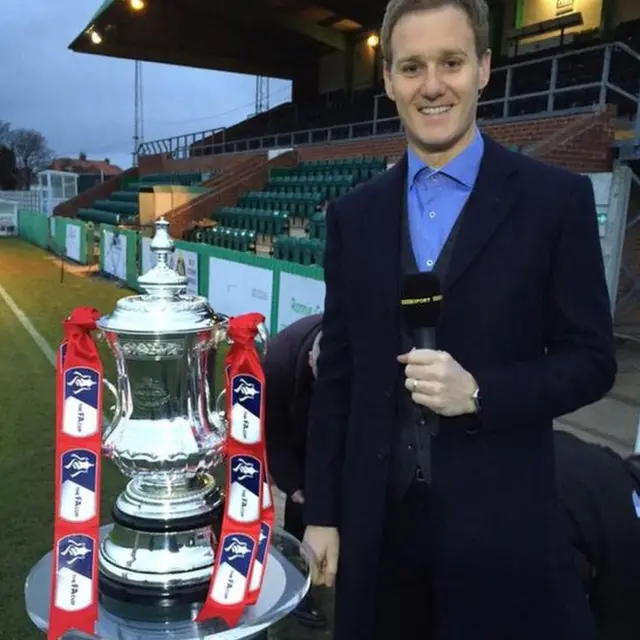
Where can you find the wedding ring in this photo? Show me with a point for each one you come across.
(414, 387)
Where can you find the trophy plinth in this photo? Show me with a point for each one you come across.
(166, 438)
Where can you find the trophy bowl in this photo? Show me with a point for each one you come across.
(167, 437)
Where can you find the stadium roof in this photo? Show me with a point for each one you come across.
(262, 37)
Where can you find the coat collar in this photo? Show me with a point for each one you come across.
(462, 169)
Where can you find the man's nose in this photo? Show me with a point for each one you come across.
(432, 86)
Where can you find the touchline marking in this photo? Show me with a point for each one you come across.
(48, 352)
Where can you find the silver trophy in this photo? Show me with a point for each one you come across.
(167, 437)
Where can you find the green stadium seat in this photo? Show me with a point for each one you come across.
(117, 206)
(124, 196)
(99, 216)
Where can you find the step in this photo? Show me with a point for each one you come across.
(124, 196)
(115, 206)
(103, 217)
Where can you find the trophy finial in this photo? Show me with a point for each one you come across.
(162, 243)
(162, 280)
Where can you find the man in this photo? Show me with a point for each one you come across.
(289, 366)
(430, 466)
(600, 496)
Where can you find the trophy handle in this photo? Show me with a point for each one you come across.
(116, 409)
(263, 337)
(220, 411)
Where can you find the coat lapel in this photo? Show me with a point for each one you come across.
(489, 203)
(383, 222)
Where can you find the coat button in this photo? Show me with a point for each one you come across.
(388, 393)
(382, 456)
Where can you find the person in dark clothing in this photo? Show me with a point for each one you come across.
(289, 367)
(599, 492)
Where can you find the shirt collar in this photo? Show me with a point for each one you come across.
(463, 168)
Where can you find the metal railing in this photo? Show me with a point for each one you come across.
(571, 82)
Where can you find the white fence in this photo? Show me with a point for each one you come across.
(53, 188)
(8, 218)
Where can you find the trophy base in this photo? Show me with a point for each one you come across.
(151, 603)
(286, 582)
(160, 566)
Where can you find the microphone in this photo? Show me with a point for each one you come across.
(421, 302)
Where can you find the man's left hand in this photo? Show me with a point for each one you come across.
(298, 496)
(438, 382)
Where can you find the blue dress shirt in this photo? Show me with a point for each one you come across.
(436, 197)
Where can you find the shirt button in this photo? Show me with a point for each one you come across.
(432, 214)
(429, 263)
(410, 447)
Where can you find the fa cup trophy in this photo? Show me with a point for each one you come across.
(183, 548)
(165, 438)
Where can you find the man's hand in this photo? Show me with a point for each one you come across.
(325, 544)
(438, 382)
(298, 497)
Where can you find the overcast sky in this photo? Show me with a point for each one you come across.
(84, 102)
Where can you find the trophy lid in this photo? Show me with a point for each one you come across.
(164, 307)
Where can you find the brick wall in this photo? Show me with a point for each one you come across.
(102, 191)
(251, 175)
(160, 163)
(587, 152)
(583, 146)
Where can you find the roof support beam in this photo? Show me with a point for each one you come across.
(324, 35)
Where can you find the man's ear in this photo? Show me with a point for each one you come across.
(388, 85)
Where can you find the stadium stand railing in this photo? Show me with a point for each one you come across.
(566, 82)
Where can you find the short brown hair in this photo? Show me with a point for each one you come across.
(476, 10)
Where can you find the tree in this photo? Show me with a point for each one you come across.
(5, 133)
(8, 181)
(8, 173)
(31, 151)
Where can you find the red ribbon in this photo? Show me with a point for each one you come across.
(78, 443)
(245, 537)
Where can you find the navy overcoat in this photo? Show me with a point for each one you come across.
(526, 311)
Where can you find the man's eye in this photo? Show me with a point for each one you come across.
(453, 64)
(410, 68)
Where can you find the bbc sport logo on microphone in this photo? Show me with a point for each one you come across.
(411, 301)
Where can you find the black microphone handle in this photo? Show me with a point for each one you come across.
(424, 338)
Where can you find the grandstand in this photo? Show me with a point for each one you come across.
(564, 88)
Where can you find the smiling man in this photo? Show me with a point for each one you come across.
(430, 493)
